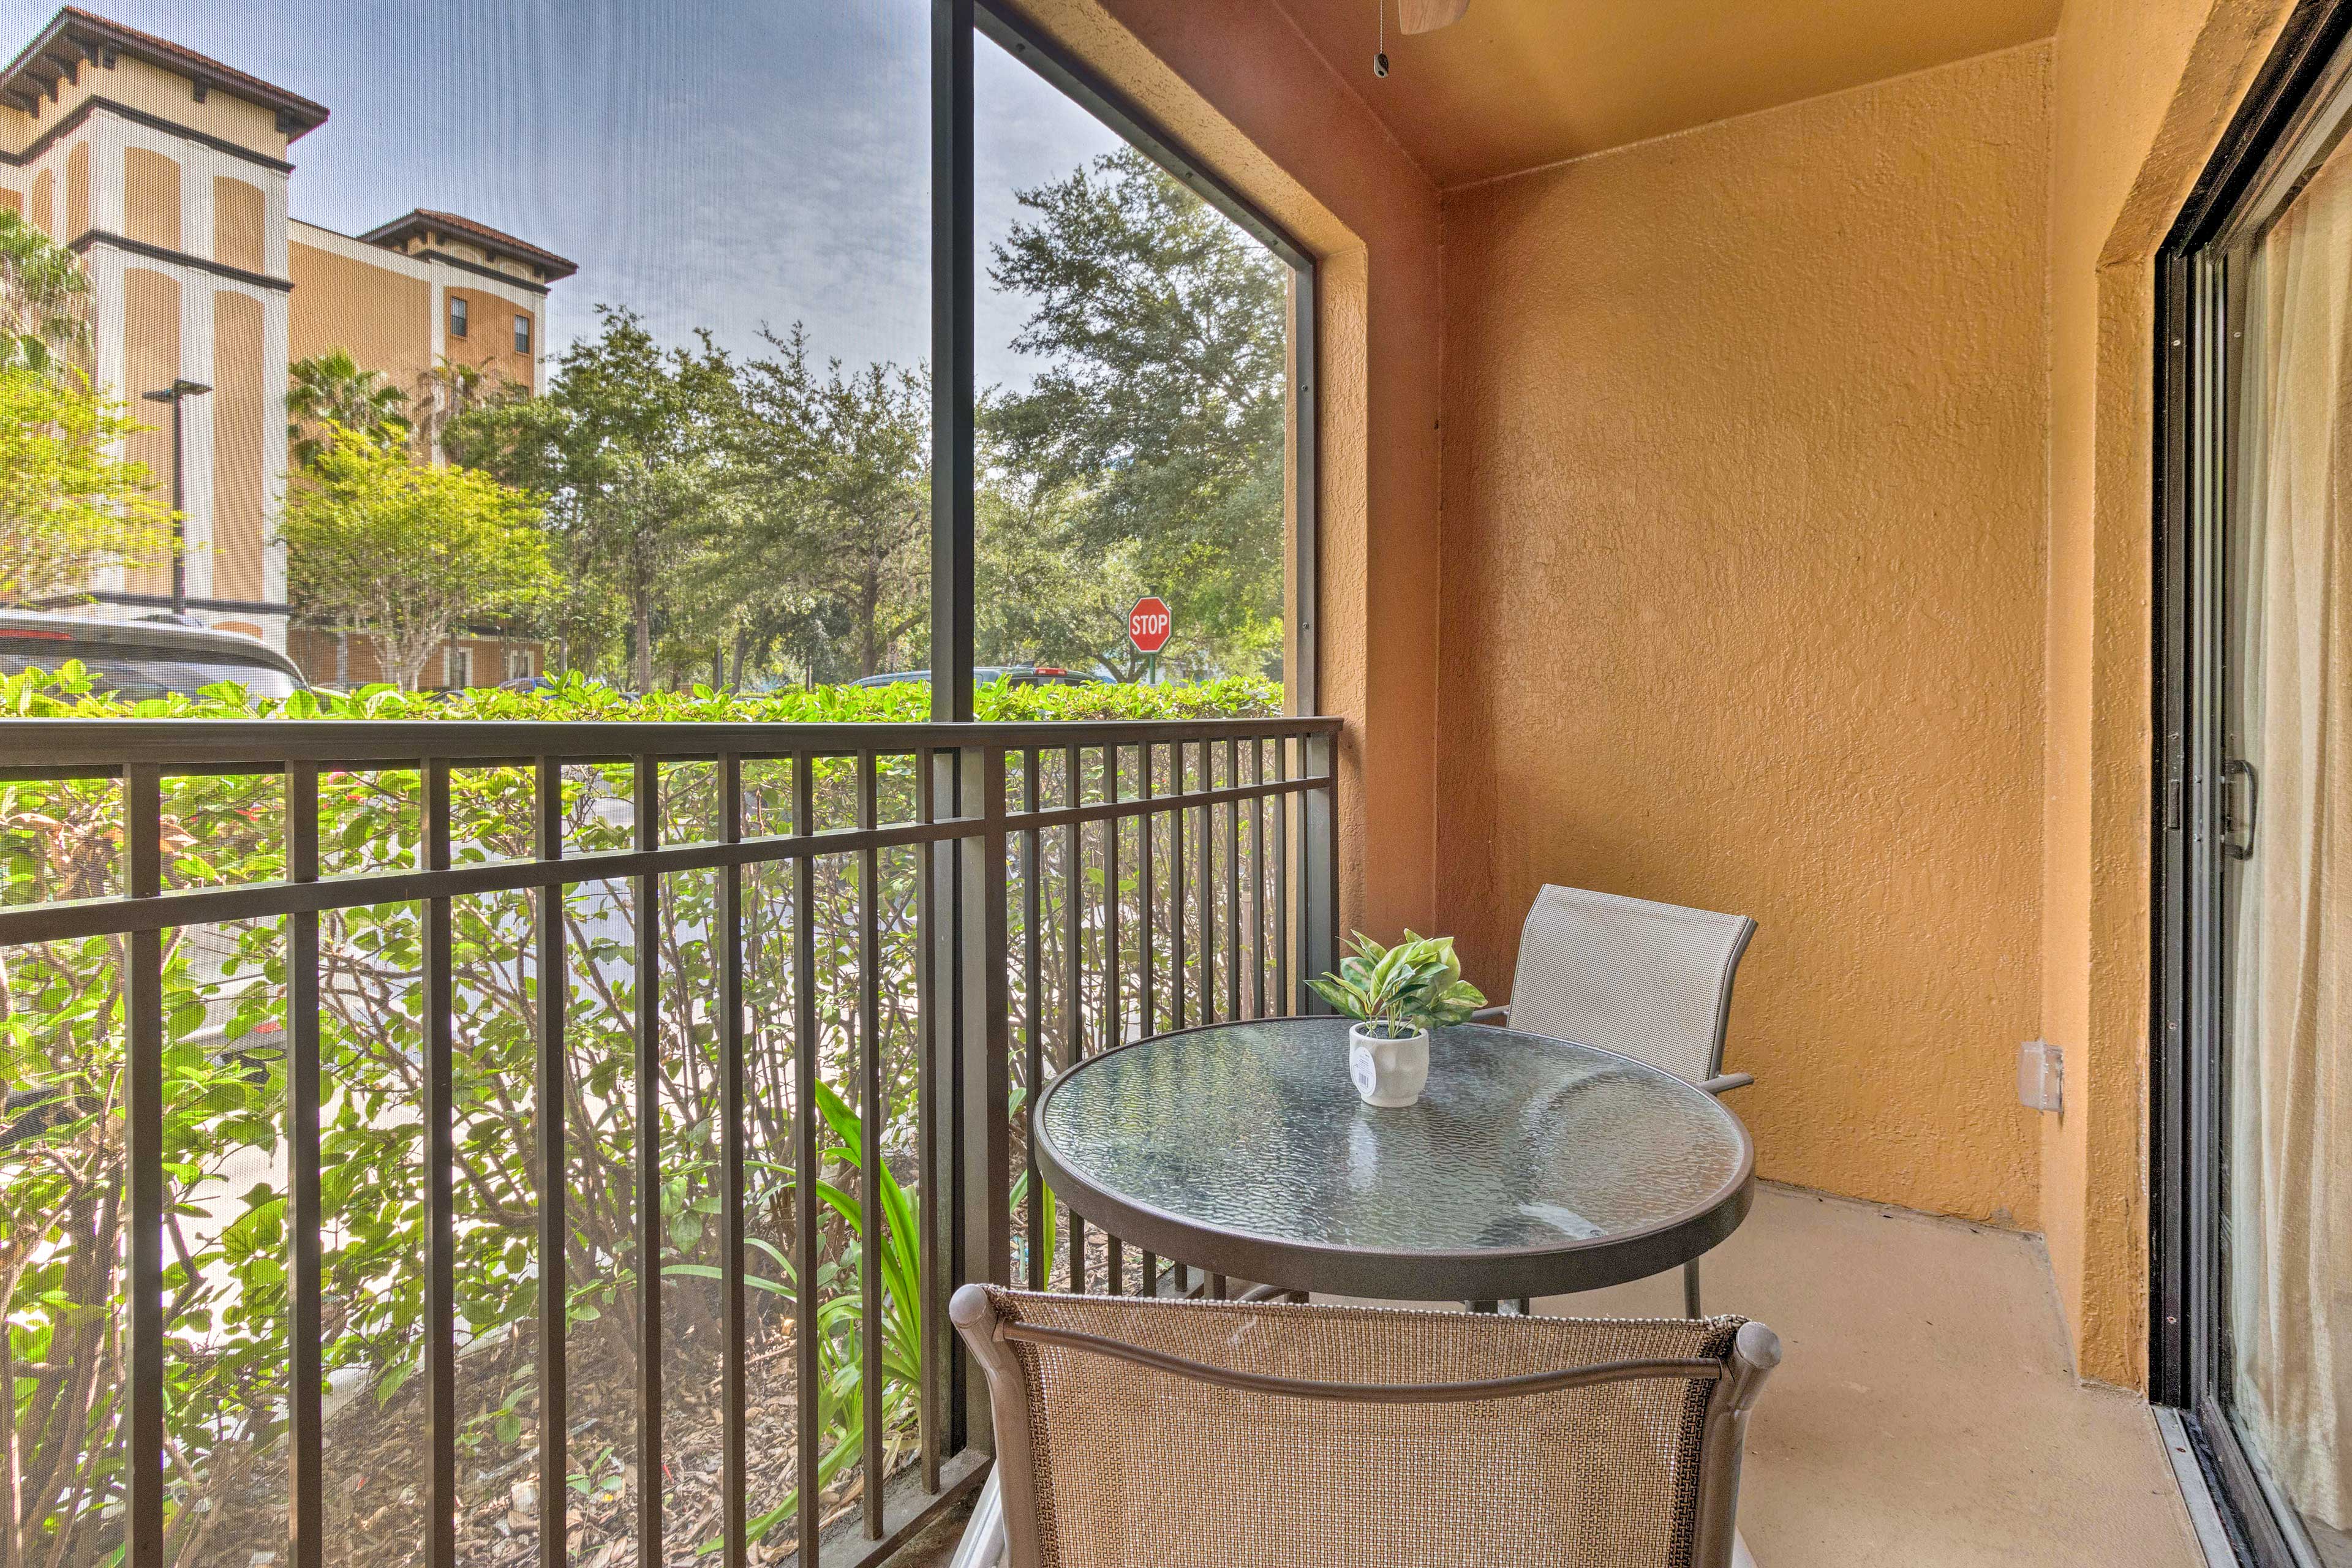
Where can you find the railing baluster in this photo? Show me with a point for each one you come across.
(646, 835)
(931, 1030)
(1282, 998)
(306, 1373)
(734, 1378)
(1147, 851)
(809, 1369)
(1257, 879)
(554, 1183)
(1073, 1016)
(1039, 1261)
(1206, 849)
(871, 1109)
(142, 1020)
(1178, 972)
(1113, 1011)
(1234, 885)
(1323, 949)
(440, 1192)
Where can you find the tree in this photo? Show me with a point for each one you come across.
(837, 472)
(329, 390)
(625, 445)
(67, 507)
(1052, 598)
(1162, 399)
(45, 299)
(409, 551)
(450, 391)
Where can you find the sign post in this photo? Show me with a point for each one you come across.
(1149, 626)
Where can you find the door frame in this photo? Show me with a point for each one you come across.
(2307, 77)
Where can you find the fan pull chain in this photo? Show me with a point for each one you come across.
(1380, 48)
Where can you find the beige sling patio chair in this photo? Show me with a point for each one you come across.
(1133, 1431)
(1648, 981)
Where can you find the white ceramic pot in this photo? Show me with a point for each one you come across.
(1388, 1072)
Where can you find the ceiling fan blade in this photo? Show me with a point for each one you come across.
(1428, 15)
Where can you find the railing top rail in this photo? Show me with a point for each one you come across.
(56, 748)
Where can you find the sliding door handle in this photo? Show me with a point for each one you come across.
(2233, 770)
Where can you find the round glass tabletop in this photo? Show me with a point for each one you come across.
(1531, 1167)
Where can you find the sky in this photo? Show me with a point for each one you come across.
(727, 166)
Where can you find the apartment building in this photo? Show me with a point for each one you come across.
(170, 172)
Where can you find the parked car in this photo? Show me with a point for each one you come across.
(988, 674)
(541, 685)
(135, 660)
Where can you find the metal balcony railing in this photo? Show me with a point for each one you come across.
(460, 1132)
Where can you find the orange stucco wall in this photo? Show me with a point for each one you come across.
(238, 217)
(2142, 90)
(77, 191)
(1238, 85)
(313, 649)
(151, 90)
(489, 335)
(384, 318)
(151, 197)
(1743, 595)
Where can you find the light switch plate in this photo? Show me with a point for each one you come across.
(2041, 1076)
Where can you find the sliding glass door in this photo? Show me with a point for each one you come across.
(2255, 1300)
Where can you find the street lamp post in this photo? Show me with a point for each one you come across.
(179, 392)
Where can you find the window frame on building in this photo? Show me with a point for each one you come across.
(522, 332)
(459, 316)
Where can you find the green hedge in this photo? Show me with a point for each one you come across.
(68, 694)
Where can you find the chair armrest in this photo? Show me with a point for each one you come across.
(1728, 1080)
(1488, 1015)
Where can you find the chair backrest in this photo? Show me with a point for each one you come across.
(1649, 981)
(1133, 1431)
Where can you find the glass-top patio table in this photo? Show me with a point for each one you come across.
(1531, 1167)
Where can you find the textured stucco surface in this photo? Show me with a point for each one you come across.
(1743, 595)
(1236, 83)
(1794, 558)
(2141, 90)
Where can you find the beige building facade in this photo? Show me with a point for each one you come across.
(169, 172)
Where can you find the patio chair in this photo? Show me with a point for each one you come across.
(1648, 981)
(1133, 1431)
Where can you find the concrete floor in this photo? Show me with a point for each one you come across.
(1927, 1414)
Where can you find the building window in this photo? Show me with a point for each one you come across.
(519, 664)
(522, 334)
(457, 316)
(461, 668)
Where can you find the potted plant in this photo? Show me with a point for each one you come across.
(1397, 995)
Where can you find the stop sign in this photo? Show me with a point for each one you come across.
(1149, 624)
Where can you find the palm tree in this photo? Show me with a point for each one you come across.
(44, 297)
(451, 390)
(330, 388)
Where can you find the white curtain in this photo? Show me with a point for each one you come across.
(2290, 1052)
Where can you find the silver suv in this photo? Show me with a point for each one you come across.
(135, 660)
